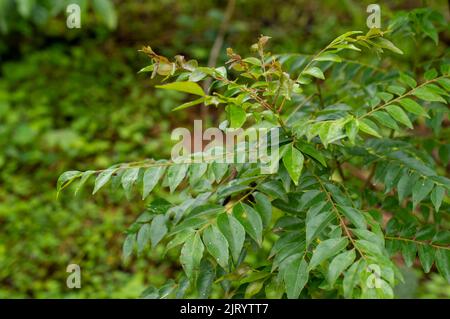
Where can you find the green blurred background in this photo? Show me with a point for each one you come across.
(72, 99)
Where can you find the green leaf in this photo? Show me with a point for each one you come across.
(285, 179)
(326, 249)
(316, 221)
(187, 87)
(159, 206)
(437, 195)
(179, 239)
(324, 132)
(351, 278)
(151, 178)
(129, 177)
(83, 180)
(102, 179)
(252, 60)
(399, 115)
(148, 68)
(385, 119)
(143, 237)
(443, 263)
(311, 198)
(426, 256)
(158, 229)
(347, 46)
(167, 289)
(236, 115)
(205, 279)
(197, 75)
(311, 151)
(295, 277)
(231, 190)
(392, 171)
(253, 288)
(338, 195)
(189, 104)
(368, 127)
(413, 107)
(430, 74)
(427, 94)
(405, 185)
(219, 169)
(437, 89)
(409, 250)
(339, 264)
(150, 292)
(445, 83)
(442, 237)
(234, 232)
(127, 248)
(426, 233)
(421, 189)
(386, 97)
(328, 57)
(65, 179)
(190, 223)
(344, 36)
(264, 207)
(315, 72)
(191, 254)
(183, 285)
(293, 161)
(176, 174)
(274, 189)
(408, 80)
(428, 28)
(370, 248)
(354, 216)
(445, 70)
(221, 71)
(196, 171)
(105, 9)
(198, 208)
(398, 90)
(251, 221)
(254, 276)
(386, 44)
(216, 244)
(351, 130)
(374, 238)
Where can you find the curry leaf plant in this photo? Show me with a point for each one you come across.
(354, 195)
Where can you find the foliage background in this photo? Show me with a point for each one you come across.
(72, 99)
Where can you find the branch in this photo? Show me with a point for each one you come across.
(417, 242)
